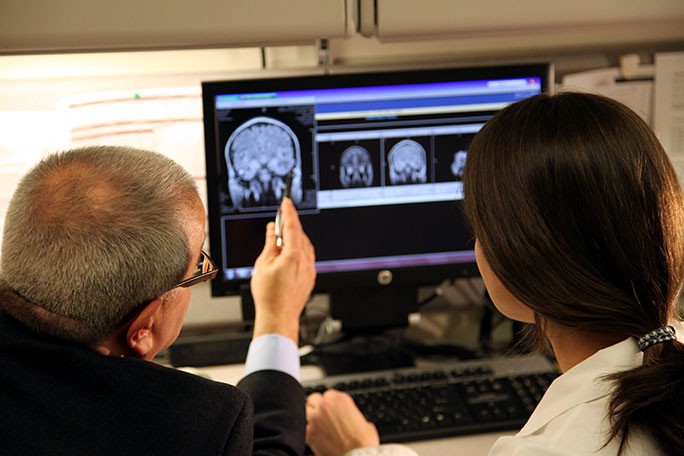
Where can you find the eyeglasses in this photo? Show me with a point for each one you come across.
(204, 270)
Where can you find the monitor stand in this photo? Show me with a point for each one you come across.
(372, 309)
(361, 310)
(246, 303)
(363, 353)
(373, 320)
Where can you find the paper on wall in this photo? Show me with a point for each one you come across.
(637, 92)
(669, 106)
(166, 120)
(25, 138)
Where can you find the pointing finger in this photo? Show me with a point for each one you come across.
(292, 227)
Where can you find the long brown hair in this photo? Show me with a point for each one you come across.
(579, 213)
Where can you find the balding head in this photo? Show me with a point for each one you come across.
(92, 233)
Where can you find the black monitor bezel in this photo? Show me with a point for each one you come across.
(327, 282)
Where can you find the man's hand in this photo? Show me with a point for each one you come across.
(283, 277)
(334, 425)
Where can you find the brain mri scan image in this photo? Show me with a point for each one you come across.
(458, 165)
(356, 169)
(407, 163)
(259, 154)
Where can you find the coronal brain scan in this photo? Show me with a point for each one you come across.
(458, 165)
(356, 169)
(259, 154)
(407, 163)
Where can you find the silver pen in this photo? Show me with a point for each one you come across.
(279, 216)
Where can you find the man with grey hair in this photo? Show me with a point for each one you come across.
(100, 248)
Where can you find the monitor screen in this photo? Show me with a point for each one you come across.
(376, 161)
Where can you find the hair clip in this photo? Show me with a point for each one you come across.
(657, 336)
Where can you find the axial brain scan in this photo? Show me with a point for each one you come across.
(458, 165)
(259, 154)
(407, 163)
(356, 169)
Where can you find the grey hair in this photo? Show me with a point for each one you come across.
(90, 235)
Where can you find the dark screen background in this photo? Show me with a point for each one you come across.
(363, 232)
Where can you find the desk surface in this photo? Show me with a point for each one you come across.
(471, 445)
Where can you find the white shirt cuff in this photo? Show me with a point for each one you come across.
(273, 352)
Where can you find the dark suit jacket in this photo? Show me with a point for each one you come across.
(58, 398)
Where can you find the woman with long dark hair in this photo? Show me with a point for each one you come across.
(579, 223)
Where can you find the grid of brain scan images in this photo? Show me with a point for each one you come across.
(392, 161)
(265, 145)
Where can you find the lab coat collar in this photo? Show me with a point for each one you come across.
(584, 383)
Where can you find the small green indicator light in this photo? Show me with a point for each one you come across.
(258, 95)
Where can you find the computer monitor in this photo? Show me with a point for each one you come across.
(376, 161)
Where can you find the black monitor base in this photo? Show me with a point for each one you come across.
(363, 354)
(370, 310)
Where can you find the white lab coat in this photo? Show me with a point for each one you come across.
(572, 417)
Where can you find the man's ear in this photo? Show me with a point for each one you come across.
(140, 337)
